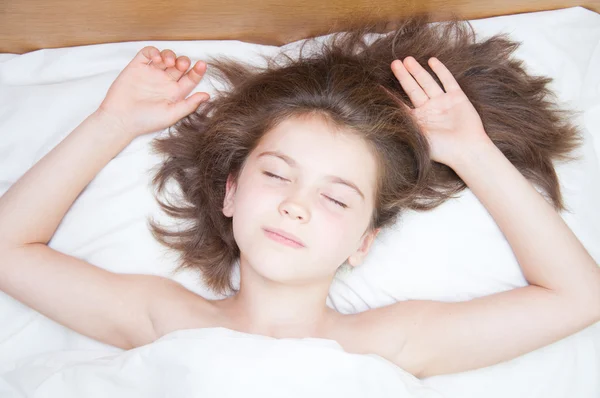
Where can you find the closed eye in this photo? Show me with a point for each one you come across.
(343, 205)
(337, 202)
(273, 176)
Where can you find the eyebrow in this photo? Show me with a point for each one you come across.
(293, 163)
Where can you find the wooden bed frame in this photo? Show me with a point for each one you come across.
(27, 25)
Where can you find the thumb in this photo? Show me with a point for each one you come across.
(184, 107)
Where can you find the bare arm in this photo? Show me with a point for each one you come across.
(564, 292)
(33, 207)
(109, 307)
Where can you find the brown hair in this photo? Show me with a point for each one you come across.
(348, 82)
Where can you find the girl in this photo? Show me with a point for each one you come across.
(325, 152)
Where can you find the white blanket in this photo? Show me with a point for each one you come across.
(214, 363)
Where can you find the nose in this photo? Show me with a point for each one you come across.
(294, 209)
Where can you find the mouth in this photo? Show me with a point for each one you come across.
(283, 237)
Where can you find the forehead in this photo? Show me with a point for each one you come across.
(321, 149)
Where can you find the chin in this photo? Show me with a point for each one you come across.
(274, 264)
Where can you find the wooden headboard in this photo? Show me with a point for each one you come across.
(27, 25)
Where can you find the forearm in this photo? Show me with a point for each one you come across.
(33, 207)
(548, 252)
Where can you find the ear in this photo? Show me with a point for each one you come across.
(230, 188)
(367, 240)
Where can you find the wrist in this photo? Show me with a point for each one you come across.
(113, 124)
(473, 154)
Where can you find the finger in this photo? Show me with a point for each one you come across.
(445, 76)
(192, 78)
(181, 65)
(163, 58)
(168, 57)
(158, 61)
(407, 108)
(396, 99)
(430, 86)
(184, 107)
(409, 84)
(147, 54)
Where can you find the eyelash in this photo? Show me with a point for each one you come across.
(342, 205)
(273, 175)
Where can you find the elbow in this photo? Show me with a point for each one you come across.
(588, 298)
(595, 313)
(596, 305)
(596, 295)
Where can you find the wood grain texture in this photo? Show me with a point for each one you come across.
(27, 25)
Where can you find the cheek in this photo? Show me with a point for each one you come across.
(345, 230)
(252, 201)
(335, 233)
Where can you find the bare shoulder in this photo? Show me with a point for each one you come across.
(429, 338)
(174, 307)
(382, 331)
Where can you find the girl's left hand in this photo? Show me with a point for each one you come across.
(150, 93)
(447, 117)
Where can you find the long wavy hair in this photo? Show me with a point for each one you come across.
(347, 80)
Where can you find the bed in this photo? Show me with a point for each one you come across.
(58, 58)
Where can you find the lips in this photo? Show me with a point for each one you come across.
(284, 237)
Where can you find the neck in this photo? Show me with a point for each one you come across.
(266, 307)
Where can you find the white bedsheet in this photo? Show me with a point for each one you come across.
(214, 363)
(45, 94)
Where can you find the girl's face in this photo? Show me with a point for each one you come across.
(312, 185)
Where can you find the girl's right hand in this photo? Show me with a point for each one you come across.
(150, 93)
